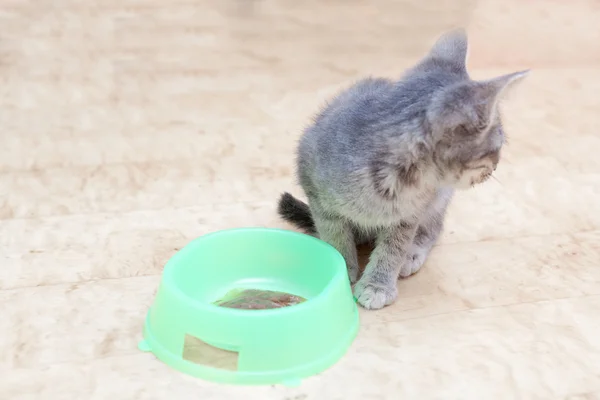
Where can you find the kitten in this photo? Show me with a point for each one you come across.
(381, 162)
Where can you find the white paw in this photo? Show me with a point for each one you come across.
(414, 262)
(374, 296)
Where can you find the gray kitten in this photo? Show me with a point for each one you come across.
(381, 162)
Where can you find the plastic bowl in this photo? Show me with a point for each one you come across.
(264, 346)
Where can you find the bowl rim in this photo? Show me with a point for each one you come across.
(168, 275)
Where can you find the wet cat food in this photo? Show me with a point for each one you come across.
(253, 299)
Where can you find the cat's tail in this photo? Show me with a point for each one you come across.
(296, 212)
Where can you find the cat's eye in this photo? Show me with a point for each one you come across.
(483, 127)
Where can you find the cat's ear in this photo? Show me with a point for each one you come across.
(494, 88)
(488, 93)
(452, 46)
(471, 105)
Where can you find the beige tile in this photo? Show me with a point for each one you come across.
(535, 351)
(130, 128)
(540, 350)
(130, 187)
(106, 246)
(137, 376)
(540, 33)
(46, 325)
(473, 275)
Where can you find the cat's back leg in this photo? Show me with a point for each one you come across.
(338, 232)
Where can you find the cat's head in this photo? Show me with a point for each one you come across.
(463, 114)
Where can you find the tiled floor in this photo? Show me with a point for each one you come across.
(130, 127)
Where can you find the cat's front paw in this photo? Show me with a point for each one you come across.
(414, 262)
(374, 295)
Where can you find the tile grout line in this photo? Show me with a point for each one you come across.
(491, 307)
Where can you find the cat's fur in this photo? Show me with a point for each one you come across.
(381, 161)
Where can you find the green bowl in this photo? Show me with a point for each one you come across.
(258, 346)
